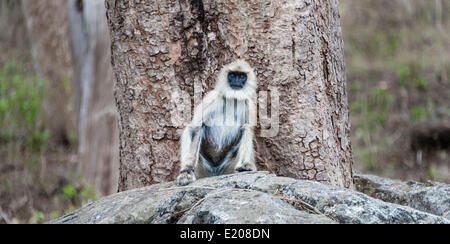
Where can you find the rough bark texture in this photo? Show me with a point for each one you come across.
(48, 31)
(93, 79)
(295, 47)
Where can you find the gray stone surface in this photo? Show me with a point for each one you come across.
(235, 206)
(431, 197)
(257, 197)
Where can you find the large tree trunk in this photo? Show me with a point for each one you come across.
(159, 47)
(93, 79)
(48, 30)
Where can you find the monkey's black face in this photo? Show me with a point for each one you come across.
(237, 80)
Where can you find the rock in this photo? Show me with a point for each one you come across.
(240, 206)
(255, 197)
(430, 197)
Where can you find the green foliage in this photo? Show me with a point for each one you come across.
(68, 211)
(421, 83)
(72, 138)
(387, 42)
(355, 86)
(66, 84)
(432, 171)
(403, 74)
(357, 105)
(382, 99)
(418, 113)
(88, 193)
(85, 194)
(37, 140)
(69, 191)
(38, 217)
(20, 108)
(379, 44)
(374, 108)
(54, 215)
(368, 159)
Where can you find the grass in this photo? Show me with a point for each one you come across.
(418, 113)
(20, 106)
(37, 183)
(398, 77)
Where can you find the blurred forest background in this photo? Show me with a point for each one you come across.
(59, 132)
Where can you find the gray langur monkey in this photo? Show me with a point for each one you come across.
(219, 140)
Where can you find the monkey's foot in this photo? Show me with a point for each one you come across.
(186, 177)
(245, 167)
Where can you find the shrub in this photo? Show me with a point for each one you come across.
(20, 108)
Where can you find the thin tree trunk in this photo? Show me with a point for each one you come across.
(159, 47)
(93, 79)
(48, 31)
(13, 26)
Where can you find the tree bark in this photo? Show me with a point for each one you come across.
(98, 118)
(296, 47)
(48, 31)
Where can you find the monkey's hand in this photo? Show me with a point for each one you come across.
(246, 166)
(186, 177)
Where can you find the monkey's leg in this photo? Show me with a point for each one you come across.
(245, 156)
(190, 147)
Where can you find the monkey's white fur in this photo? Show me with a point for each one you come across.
(225, 124)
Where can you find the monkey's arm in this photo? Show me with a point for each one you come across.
(190, 147)
(192, 137)
(245, 156)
